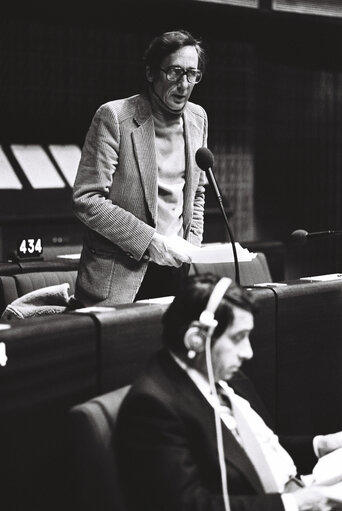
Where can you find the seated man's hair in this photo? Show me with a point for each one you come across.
(192, 299)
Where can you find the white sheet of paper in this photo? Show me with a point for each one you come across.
(323, 278)
(328, 469)
(69, 256)
(333, 492)
(160, 300)
(95, 308)
(220, 253)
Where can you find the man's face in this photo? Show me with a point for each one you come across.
(233, 346)
(175, 94)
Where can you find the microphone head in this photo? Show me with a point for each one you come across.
(204, 158)
(299, 236)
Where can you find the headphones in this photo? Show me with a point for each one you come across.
(199, 331)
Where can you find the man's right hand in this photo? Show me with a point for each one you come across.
(168, 251)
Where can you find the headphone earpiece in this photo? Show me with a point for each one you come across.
(198, 331)
(194, 338)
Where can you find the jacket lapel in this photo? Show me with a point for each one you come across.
(193, 140)
(234, 454)
(145, 153)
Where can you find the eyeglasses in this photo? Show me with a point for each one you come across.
(176, 73)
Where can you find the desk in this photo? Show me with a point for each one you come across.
(57, 362)
(309, 357)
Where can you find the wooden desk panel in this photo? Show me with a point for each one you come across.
(51, 366)
(262, 368)
(128, 336)
(309, 357)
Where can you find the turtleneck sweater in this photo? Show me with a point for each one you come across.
(170, 152)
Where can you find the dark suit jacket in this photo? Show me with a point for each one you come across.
(167, 447)
(115, 195)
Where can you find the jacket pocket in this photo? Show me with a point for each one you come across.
(95, 273)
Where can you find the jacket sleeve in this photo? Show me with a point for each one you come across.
(93, 182)
(159, 469)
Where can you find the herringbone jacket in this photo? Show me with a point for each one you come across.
(115, 196)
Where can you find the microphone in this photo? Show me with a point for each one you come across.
(301, 236)
(205, 160)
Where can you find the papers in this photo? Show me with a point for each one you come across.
(327, 475)
(213, 252)
(333, 492)
(3, 356)
(328, 469)
(85, 310)
(69, 256)
(323, 278)
(161, 300)
(221, 253)
(270, 284)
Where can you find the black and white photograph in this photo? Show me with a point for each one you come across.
(171, 255)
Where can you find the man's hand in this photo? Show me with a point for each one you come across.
(329, 443)
(316, 498)
(168, 251)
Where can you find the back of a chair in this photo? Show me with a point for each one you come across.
(28, 282)
(93, 436)
(252, 272)
(14, 286)
(9, 268)
(8, 291)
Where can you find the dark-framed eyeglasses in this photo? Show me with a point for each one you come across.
(176, 73)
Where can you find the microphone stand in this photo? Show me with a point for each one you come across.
(218, 196)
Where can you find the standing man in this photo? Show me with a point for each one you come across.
(169, 449)
(138, 189)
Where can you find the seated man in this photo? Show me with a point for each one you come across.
(168, 431)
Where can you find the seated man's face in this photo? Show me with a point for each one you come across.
(233, 346)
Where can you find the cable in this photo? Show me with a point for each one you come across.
(218, 423)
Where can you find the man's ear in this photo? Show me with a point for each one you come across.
(149, 74)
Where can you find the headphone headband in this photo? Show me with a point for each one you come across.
(214, 301)
(197, 332)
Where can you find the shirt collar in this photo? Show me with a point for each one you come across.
(201, 381)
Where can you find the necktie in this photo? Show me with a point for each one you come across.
(250, 443)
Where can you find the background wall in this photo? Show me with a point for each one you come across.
(273, 93)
